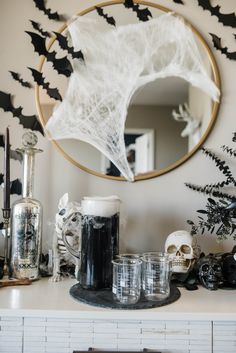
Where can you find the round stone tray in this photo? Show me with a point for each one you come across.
(104, 298)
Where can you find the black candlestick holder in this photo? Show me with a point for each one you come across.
(6, 212)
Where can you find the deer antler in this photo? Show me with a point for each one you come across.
(184, 115)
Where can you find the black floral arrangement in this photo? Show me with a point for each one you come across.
(219, 215)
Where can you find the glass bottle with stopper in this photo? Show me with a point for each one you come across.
(27, 218)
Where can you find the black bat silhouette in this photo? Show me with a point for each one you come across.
(179, 2)
(224, 50)
(63, 42)
(40, 80)
(17, 156)
(48, 12)
(16, 77)
(227, 19)
(15, 185)
(142, 14)
(38, 28)
(110, 20)
(28, 122)
(62, 65)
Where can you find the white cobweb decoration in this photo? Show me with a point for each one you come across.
(117, 62)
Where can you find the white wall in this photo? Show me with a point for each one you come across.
(152, 208)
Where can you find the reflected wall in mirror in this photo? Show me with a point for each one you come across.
(168, 119)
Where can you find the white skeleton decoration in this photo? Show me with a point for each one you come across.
(65, 210)
(192, 124)
(183, 251)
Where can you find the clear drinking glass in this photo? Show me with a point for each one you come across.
(126, 286)
(129, 256)
(156, 273)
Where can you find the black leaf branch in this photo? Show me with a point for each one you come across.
(230, 151)
(221, 165)
(219, 215)
(210, 189)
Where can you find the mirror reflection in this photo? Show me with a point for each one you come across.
(167, 119)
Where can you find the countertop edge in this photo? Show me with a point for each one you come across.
(112, 315)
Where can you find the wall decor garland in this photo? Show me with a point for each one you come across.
(28, 121)
(40, 80)
(61, 65)
(40, 4)
(17, 77)
(15, 185)
(142, 14)
(224, 50)
(110, 20)
(226, 19)
(39, 29)
(63, 43)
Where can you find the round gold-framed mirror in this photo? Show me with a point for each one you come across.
(164, 143)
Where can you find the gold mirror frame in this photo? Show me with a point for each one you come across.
(215, 108)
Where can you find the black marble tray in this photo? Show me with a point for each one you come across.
(104, 298)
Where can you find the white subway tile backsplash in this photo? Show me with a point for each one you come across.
(82, 335)
(33, 338)
(57, 323)
(11, 350)
(58, 335)
(11, 323)
(105, 336)
(57, 329)
(56, 350)
(11, 334)
(33, 348)
(11, 328)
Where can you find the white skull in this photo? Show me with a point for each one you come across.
(182, 249)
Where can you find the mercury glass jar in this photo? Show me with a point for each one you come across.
(26, 223)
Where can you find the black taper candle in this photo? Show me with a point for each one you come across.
(6, 201)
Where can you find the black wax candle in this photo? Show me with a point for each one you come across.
(6, 202)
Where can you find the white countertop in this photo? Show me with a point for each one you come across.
(44, 298)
